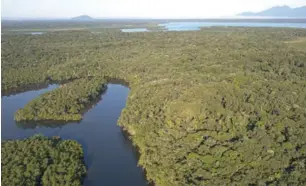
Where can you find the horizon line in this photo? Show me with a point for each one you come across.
(142, 18)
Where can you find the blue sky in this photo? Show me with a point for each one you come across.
(136, 8)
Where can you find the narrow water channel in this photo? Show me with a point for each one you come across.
(109, 155)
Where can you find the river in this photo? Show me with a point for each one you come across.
(109, 155)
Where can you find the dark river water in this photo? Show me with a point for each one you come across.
(109, 155)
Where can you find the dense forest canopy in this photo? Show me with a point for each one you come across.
(39, 160)
(220, 106)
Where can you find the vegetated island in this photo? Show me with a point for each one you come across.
(219, 106)
(39, 160)
(65, 103)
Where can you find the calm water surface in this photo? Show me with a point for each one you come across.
(37, 33)
(182, 26)
(189, 26)
(134, 30)
(109, 155)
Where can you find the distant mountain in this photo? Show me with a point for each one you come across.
(83, 18)
(279, 11)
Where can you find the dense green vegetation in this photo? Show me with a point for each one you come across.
(95, 26)
(39, 160)
(65, 103)
(220, 106)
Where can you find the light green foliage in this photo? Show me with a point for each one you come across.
(220, 106)
(65, 103)
(39, 160)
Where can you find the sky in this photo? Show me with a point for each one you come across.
(136, 8)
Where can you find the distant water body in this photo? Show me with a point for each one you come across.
(185, 26)
(189, 26)
(37, 33)
(134, 30)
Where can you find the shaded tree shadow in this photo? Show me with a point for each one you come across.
(25, 88)
(34, 86)
(44, 123)
(135, 150)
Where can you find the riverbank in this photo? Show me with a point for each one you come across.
(108, 154)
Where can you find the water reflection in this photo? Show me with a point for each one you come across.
(47, 124)
(58, 123)
(109, 155)
(49, 81)
(22, 89)
(34, 87)
(117, 81)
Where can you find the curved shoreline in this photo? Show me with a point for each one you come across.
(123, 130)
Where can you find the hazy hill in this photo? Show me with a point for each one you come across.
(279, 11)
(82, 18)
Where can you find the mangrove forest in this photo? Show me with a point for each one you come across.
(39, 160)
(218, 106)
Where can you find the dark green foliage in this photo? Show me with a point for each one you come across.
(39, 160)
(65, 103)
(220, 106)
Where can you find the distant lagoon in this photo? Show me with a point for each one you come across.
(181, 26)
(189, 26)
(134, 30)
(36, 33)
